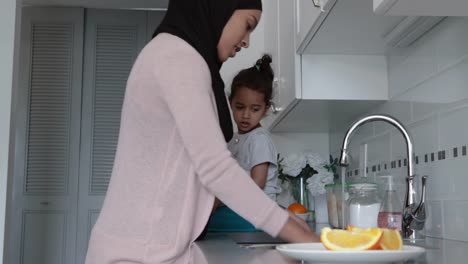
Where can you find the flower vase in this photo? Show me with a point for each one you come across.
(321, 210)
(300, 193)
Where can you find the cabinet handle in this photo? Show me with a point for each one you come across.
(316, 3)
(44, 203)
(274, 108)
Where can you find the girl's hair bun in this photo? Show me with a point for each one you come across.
(263, 66)
(264, 62)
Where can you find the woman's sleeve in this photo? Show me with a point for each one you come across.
(186, 85)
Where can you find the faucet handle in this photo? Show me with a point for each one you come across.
(419, 215)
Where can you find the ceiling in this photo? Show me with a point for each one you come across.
(111, 4)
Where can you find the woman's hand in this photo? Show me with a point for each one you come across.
(296, 230)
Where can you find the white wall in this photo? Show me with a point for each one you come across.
(7, 41)
(428, 85)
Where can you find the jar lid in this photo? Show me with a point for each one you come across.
(364, 186)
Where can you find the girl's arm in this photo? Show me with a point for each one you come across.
(259, 174)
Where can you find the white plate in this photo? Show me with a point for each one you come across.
(318, 253)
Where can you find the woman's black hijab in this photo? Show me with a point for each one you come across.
(200, 23)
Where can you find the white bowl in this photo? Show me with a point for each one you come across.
(303, 216)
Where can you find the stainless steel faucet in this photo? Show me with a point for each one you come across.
(414, 215)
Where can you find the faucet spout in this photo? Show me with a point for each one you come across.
(410, 206)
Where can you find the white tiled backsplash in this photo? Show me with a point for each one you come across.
(428, 85)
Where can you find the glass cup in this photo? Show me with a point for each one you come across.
(336, 204)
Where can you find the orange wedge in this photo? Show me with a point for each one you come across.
(391, 240)
(337, 239)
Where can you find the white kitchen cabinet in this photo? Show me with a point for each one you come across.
(279, 42)
(340, 72)
(421, 7)
(309, 14)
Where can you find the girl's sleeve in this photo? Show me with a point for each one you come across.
(186, 85)
(261, 150)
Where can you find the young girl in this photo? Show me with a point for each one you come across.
(171, 158)
(252, 146)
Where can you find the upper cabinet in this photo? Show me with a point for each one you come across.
(278, 17)
(309, 16)
(421, 7)
(339, 68)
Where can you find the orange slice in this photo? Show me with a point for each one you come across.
(391, 240)
(337, 239)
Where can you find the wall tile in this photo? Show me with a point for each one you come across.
(434, 223)
(336, 139)
(398, 108)
(441, 92)
(429, 94)
(296, 142)
(452, 41)
(453, 127)
(397, 146)
(417, 67)
(378, 149)
(451, 175)
(363, 133)
(425, 136)
(456, 220)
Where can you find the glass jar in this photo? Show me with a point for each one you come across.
(363, 205)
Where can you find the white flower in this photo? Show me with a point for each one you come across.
(293, 164)
(314, 160)
(316, 183)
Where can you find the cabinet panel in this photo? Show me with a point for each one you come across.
(344, 77)
(45, 181)
(113, 40)
(421, 7)
(287, 55)
(44, 237)
(309, 17)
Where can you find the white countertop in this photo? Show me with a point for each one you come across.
(221, 249)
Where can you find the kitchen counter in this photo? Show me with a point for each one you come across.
(221, 249)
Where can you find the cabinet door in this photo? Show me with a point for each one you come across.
(271, 20)
(306, 15)
(47, 137)
(309, 16)
(113, 40)
(421, 7)
(287, 56)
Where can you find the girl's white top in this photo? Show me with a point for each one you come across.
(254, 148)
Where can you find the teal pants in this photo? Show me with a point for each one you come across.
(226, 220)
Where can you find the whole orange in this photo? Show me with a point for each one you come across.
(297, 208)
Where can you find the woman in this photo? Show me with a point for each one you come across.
(172, 158)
